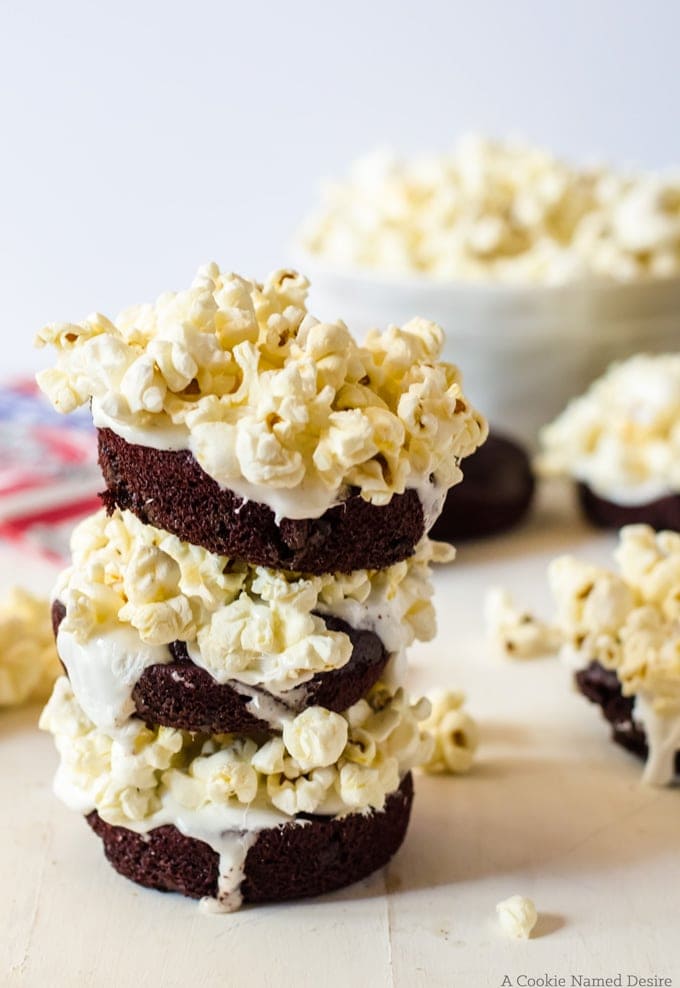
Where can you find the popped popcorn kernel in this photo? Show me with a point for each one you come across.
(454, 735)
(517, 916)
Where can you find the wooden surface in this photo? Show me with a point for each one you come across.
(553, 810)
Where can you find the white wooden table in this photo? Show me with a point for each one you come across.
(552, 810)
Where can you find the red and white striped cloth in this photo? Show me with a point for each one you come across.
(49, 477)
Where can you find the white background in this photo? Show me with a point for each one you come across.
(140, 139)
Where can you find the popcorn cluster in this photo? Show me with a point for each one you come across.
(501, 211)
(28, 658)
(322, 763)
(622, 437)
(264, 393)
(241, 622)
(627, 621)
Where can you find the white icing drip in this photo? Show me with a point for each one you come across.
(233, 851)
(630, 495)
(267, 706)
(229, 830)
(232, 847)
(303, 501)
(373, 614)
(432, 497)
(663, 740)
(105, 670)
(165, 436)
(394, 673)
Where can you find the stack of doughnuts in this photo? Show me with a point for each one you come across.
(232, 720)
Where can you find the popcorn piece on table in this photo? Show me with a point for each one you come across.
(517, 916)
(518, 634)
(454, 733)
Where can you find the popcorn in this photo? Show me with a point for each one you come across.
(517, 916)
(502, 211)
(250, 623)
(622, 437)
(128, 775)
(315, 738)
(304, 794)
(362, 785)
(589, 599)
(228, 773)
(269, 759)
(28, 657)
(517, 634)
(120, 777)
(264, 394)
(454, 733)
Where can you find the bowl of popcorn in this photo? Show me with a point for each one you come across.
(540, 271)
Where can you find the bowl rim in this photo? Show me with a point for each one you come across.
(316, 268)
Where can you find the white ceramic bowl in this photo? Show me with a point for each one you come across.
(524, 351)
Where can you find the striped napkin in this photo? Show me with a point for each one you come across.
(49, 476)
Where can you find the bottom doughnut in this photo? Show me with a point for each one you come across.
(290, 861)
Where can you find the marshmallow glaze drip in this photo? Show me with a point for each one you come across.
(273, 404)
